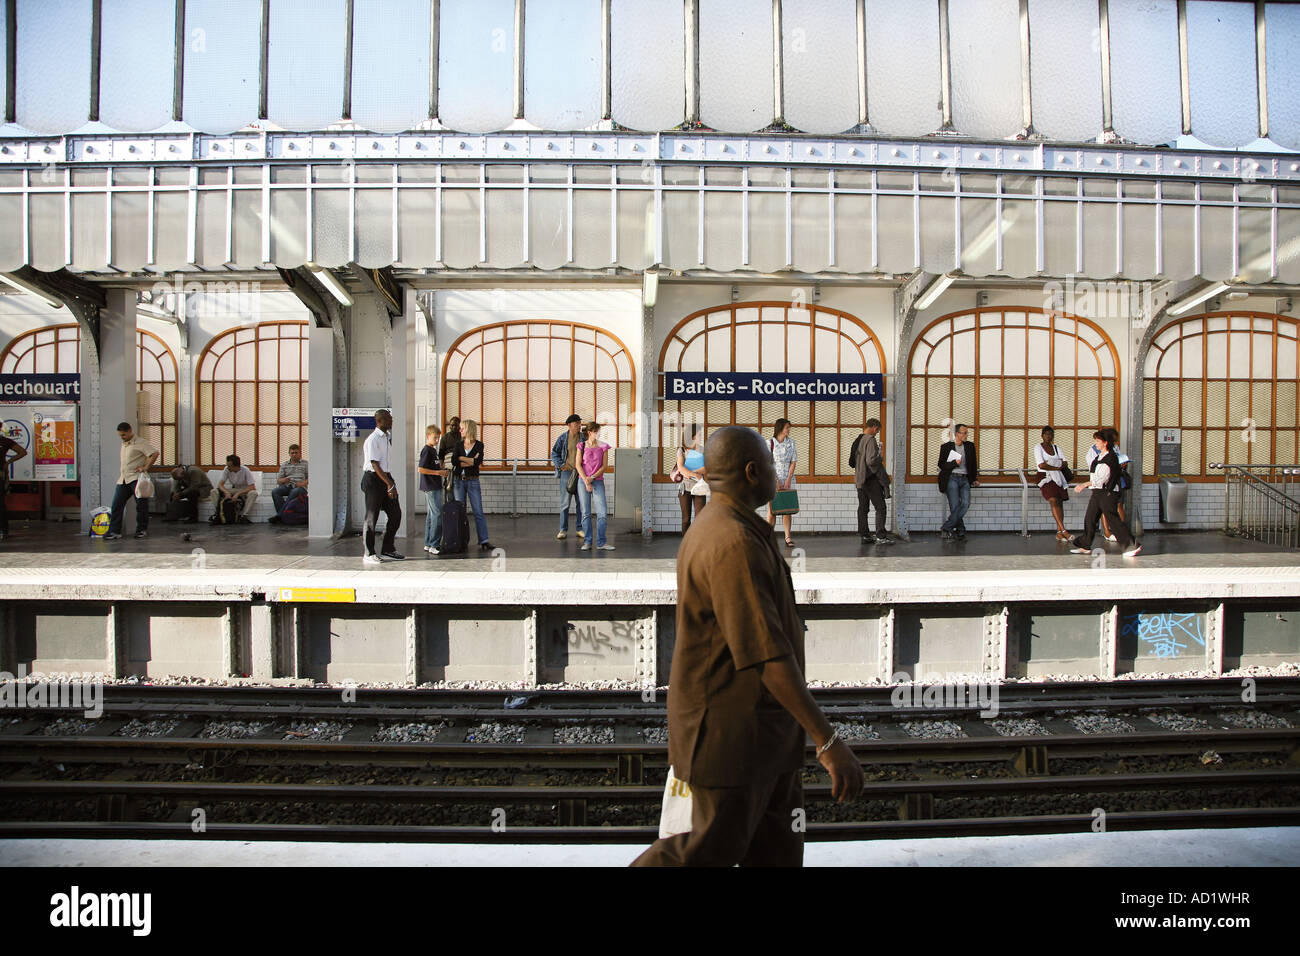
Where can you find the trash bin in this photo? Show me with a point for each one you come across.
(1173, 500)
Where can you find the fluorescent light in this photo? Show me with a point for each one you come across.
(935, 289)
(1196, 298)
(650, 290)
(22, 285)
(330, 281)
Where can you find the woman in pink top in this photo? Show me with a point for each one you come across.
(591, 487)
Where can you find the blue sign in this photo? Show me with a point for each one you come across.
(353, 424)
(774, 386)
(33, 387)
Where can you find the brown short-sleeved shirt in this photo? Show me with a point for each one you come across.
(735, 610)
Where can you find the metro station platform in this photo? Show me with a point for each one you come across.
(265, 602)
(1265, 846)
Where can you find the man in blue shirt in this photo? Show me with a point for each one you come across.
(564, 457)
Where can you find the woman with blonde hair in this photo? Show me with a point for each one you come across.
(469, 458)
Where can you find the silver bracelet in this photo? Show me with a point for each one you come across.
(824, 747)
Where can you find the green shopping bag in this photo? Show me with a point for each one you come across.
(786, 503)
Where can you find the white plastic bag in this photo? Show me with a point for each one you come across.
(144, 486)
(700, 488)
(676, 815)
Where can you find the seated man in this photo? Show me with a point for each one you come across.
(191, 485)
(237, 483)
(290, 482)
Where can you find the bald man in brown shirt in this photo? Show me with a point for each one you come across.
(738, 704)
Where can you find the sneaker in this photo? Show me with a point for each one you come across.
(945, 536)
(561, 536)
(244, 520)
(373, 559)
(142, 534)
(605, 547)
(1111, 537)
(394, 556)
(582, 535)
(1134, 551)
(1078, 550)
(110, 536)
(586, 546)
(881, 539)
(485, 545)
(433, 550)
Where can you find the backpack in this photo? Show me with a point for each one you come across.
(295, 510)
(227, 512)
(853, 452)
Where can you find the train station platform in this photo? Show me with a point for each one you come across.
(1253, 847)
(267, 603)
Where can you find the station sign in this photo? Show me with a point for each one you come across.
(354, 424)
(774, 386)
(40, 387)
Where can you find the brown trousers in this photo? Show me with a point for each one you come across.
(750, 826)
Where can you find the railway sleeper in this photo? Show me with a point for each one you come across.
(631, 769)
(117, 808)
(1031, 761)
(916, 806)
(571, 813)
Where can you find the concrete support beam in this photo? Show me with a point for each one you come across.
(114, 403)
(1214, 639)
(996, 630)
(532, 657)
(321, 503)
(115, 640)
(405, 444)
(647, 650)
(1109, 663)
(230, 638)
(413, 646)
(885, 645)
(262, 630)
(646, 389)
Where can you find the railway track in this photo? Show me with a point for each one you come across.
(978, 783)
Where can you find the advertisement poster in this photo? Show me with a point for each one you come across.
(54, 433)
(16, 424)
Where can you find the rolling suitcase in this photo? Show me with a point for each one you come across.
(455, 527)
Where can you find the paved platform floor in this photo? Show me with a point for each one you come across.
(1269, 846)
(529, 545)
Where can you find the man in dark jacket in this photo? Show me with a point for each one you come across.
(564, 456)
(958, 474)
(190, 483)
(871, 481)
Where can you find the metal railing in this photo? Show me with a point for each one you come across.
(1266, 509)
(1024, 493)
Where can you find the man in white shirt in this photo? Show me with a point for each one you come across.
(138, 456)
(237, 483)
(380, 489)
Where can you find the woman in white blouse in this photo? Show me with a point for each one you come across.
(785, 457)
(1052, 485)
(1103, 479)
(1123, 487)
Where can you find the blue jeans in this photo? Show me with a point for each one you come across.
(469, 488)
(282, 493)
(433, 520)
(958, 503)
(121, 495)
(566, 499)
(586, 499)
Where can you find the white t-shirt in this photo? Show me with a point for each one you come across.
(1055, 460)
(242, 478)
(379, 447)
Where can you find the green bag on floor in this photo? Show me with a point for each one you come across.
(786, 503)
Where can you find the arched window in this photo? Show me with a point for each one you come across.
(521, 380)
(1227, 380)
(252, 395)
(1007, 372)
(774, 337)
(57, 349)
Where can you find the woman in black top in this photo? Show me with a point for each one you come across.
(468, 458)
(1104, 476)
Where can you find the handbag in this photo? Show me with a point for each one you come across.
(675, 817)
(1066, 471)
(785, 502)
(572, 486)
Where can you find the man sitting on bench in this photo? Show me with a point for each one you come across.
(237, 483)
(192, 485)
